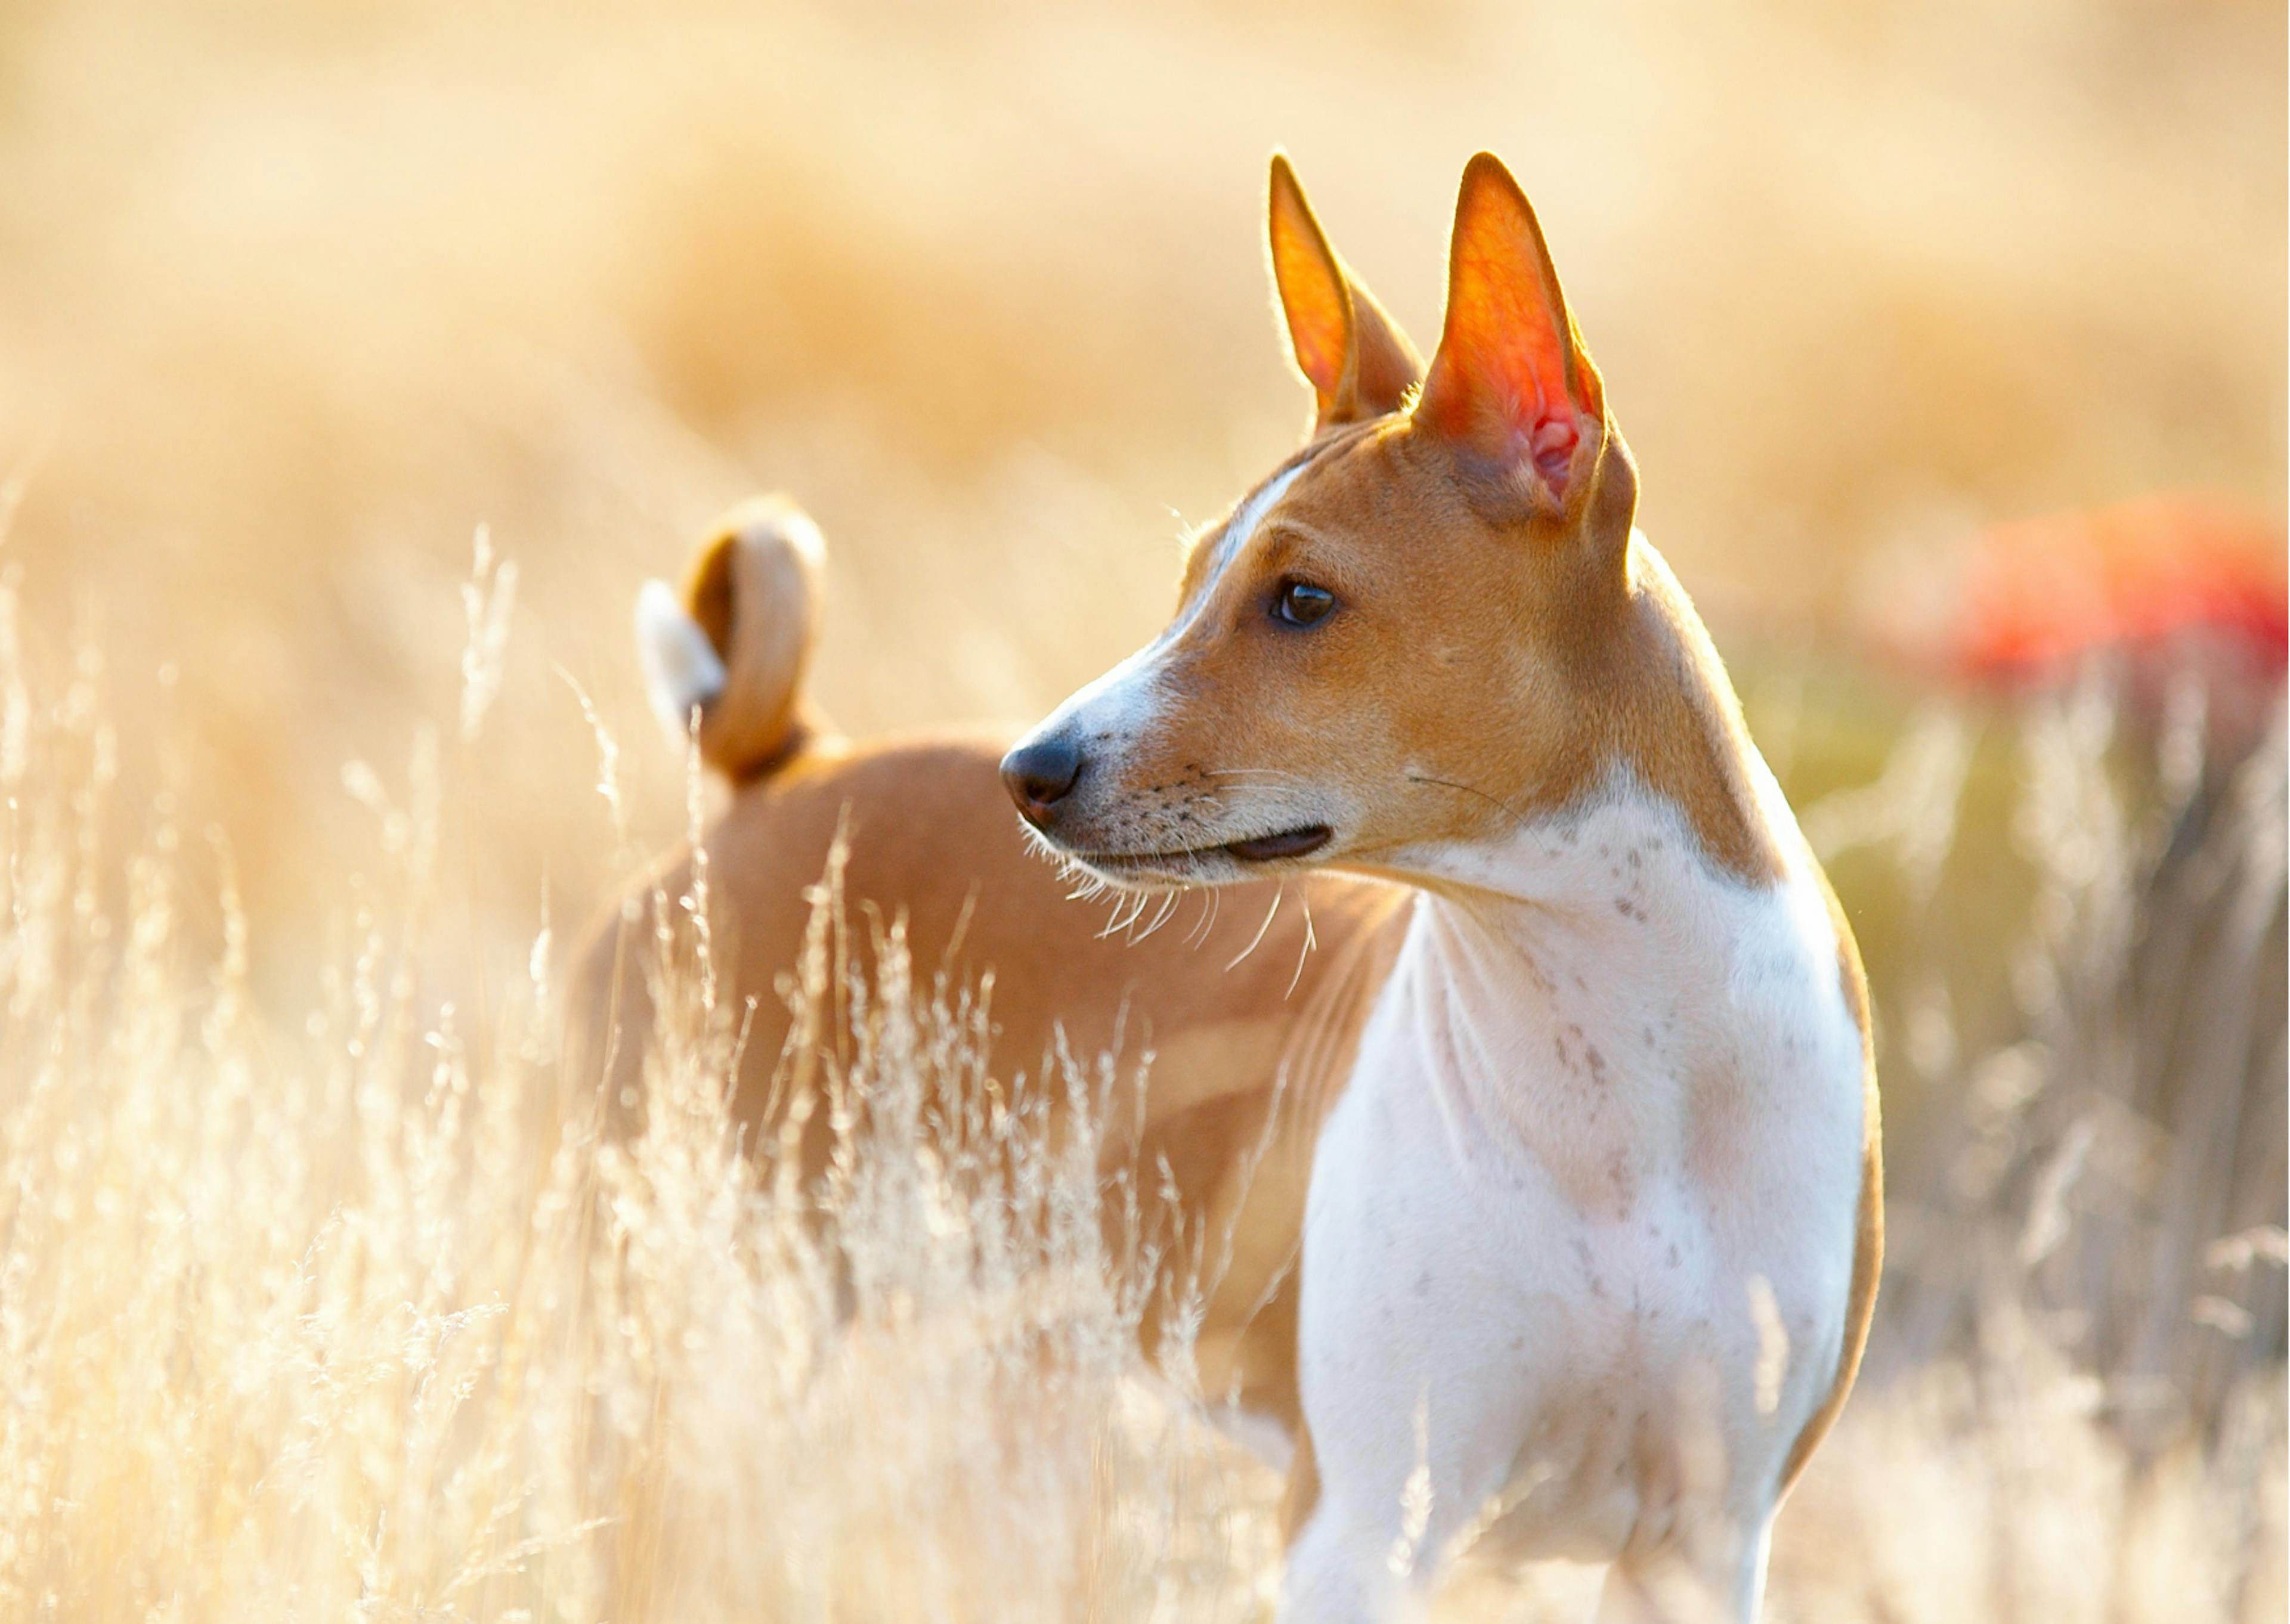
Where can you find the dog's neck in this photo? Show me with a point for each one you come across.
(1620, 875)
(1594, 955)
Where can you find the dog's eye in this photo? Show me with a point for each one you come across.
(1301, 604)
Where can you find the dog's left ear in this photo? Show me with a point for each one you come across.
(1359, 364)
(1512, 386)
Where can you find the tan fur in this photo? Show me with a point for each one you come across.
(754, 588)
(1246, 1058)
(1571, 611)
(1356, 358)
(1465, 585)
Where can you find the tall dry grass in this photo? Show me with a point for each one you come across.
(351, 1311)
(360, 1315)
(318, 1295)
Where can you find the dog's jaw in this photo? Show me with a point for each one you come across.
(1283, 851)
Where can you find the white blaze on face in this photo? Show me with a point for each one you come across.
(1120, 706)
(1248, 515)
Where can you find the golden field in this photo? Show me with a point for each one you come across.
(308, 1307)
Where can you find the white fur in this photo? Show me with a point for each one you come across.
(681, 668)
(1123, 705)
(1251, 514)
(1607, 1091)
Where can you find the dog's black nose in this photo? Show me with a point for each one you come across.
(1040, 772)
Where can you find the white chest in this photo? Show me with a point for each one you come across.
(1583, 1227)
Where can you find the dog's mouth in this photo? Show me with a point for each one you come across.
(1301, 841)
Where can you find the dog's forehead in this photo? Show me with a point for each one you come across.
(1218, 543)
(1293, 482)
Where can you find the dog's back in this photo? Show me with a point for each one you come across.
(1248, 1001)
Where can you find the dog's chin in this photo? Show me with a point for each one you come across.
(1230, 863)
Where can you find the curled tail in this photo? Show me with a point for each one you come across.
(736, 641)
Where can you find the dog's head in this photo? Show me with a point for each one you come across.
(1423, 628)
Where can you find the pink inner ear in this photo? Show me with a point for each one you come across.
(1499, 380)
(1500, 383)
(1553, 445)
(1508, 413)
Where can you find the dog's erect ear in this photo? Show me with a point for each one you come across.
(1511, 384)
(1359, 364)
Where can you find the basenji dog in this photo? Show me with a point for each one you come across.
(1538, 1134)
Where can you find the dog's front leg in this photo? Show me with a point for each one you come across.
(1715, 1575)
(1331, 1578)
(1416, 1377)
(1372, 1546)
(1408, 1454)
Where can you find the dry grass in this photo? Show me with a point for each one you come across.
(357, 1315)
(317, 1297)
(294, 297)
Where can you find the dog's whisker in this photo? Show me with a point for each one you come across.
(1210, 914)
(1417, 776)
(1196, 932)
(1168, 905)
(1262, 929)
(1303, 952)
(1124, 913)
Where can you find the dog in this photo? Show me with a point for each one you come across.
(1538, 1131)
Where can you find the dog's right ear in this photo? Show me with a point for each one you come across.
(1358, 362)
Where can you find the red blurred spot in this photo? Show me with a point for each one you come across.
(2039, 594)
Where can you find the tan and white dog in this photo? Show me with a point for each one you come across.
(1548, 1179)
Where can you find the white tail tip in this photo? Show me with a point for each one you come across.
(681, 668)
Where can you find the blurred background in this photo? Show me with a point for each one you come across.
(1950, 335)
(295, 297)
